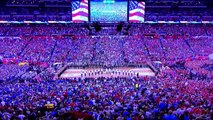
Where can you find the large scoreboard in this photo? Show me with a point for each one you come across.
(108, 10)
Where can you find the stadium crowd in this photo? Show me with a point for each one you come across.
(170, 95)
(113, 98)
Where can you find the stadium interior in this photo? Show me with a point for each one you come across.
(106, 60)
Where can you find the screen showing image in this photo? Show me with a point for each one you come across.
(80, 10)
(108, 10)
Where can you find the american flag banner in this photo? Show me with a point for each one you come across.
(80, 10)
(136, 11)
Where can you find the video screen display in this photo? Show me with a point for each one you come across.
(108, 10)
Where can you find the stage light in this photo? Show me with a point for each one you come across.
(97, 26)
(119, 27)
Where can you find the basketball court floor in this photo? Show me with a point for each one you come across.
(100, 72)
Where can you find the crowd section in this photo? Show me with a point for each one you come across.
(178, 14)
(201, 43)
(74, 44)
(39, 49)
(112, 98)
(29, 92)
(12, 47)
(11, 72)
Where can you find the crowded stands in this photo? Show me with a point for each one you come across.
(34, 55)
(172, 94)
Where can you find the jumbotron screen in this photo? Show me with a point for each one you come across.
(108, 10)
